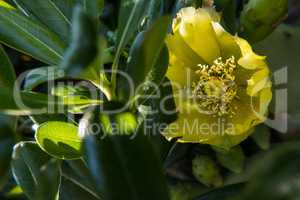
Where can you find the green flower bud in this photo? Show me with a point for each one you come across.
(186, 190)
(121, 123)
(206, 171)
(260, 17)
(233, 159)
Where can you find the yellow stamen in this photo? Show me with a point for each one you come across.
(216, 88)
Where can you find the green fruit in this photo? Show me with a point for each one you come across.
(260, 17)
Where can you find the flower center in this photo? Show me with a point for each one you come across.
(216, 88)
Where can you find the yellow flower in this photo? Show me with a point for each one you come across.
(221, 87)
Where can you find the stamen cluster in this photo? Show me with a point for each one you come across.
(216, 88)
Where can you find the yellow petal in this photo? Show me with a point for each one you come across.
(181, 51)
(249, 59)
(195, 127)
(227, 43)
(180, 76)
(244, 45)
(258, 81)
(229, 141)
(195, 27)
(265, 99)
(250, 110)
(215, 16)
(252, 61)
(176, 130)
(188, 127)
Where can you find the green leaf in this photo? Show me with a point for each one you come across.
(24, 34)
(6, 146)
(47, 12)
(168, 104)
(77, 172)
(262, 137)
(84, 46)
(41, 75)
(130, 17)
(131, 171)
(32, 103)
(157, 73)
(80, 97)
(35, 172)
(28, 103)
(93, 8)
(233, 159)
(95, 71)
(144, 55)
(229, 14)
(226, 193)
(8, 75)
(42, 118)
(7, 123)
(260, 17)
(128, 25)
(163, 108)
(154, 11)
(23, 103)
(275, 175)
(74, 190)
(158, 107)
(66, 6)
(221, 4)
(59, 139)
(70, 90)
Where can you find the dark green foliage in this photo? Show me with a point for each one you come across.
(98, 148)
